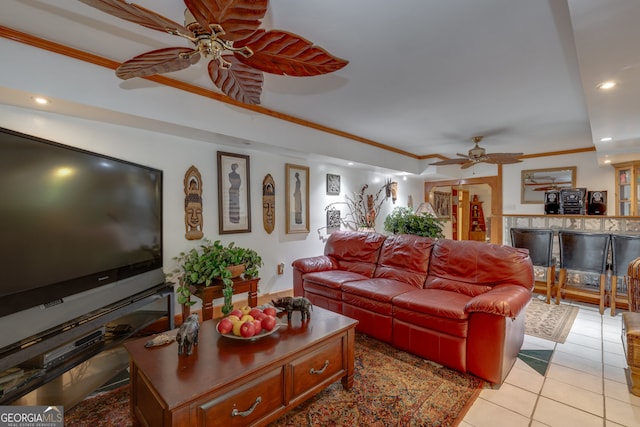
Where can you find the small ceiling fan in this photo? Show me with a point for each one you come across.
(225, 32)
(478, 154)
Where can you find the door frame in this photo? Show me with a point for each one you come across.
(494, 182)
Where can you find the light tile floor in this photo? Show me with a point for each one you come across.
(585, 385)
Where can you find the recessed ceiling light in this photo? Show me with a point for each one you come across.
(607, 85)
(607, 161)
(606, 139)
(40, 100)
(350, 163)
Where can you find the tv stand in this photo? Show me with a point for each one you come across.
(46, 356)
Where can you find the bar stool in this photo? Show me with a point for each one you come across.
(584, 252)
(539, 242)
(624, 249)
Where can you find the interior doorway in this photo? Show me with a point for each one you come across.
(489, 192)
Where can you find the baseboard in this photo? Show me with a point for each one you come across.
(162, 325)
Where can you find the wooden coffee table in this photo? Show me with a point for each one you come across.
(229, 382)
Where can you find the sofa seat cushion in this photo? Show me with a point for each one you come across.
(329, 283)
(374, 294)
(434, 309)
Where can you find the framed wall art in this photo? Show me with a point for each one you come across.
(234, 203)
(297, 198)
(535, 182)
(333, 184)
(442, 204)
(333, 220)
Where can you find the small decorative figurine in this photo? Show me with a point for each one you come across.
(291, 304)
(188, 335)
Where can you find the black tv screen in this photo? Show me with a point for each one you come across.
(72, 220)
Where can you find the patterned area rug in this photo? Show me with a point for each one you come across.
(391, 388)
(549, 321)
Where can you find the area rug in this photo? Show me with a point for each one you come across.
(549, 321)
(391, 388)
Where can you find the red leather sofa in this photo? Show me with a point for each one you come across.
(458, 303)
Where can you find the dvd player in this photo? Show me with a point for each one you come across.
(49, 358)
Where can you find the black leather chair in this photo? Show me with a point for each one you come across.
(624, 249)
(583, 252)
(539, 242)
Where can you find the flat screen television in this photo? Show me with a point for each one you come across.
(72, 221)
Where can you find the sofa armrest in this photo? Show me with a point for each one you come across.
(502, 300)
(303, 266)
(316, 263)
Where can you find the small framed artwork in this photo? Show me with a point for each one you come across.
(297, 198)
(333, 184)
(442, 204)
(333, 220)
(234, 204)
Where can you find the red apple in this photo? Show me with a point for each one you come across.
(270, 311)
(224, 326)
(255, 311)
(237, 312)
(259, 316)
(268, 323)
(258, 325)
(247, 330)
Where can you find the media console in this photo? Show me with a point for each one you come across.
(48, 355)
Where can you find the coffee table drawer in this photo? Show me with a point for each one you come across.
(246, 404)
(317, 366)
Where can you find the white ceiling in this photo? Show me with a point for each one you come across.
(424, 76)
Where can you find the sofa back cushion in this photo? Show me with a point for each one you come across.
(355, 251)
(405, 257)
(473, 268)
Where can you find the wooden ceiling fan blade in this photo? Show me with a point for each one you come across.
(501, 160)
(238, 18)
(468, 165)
(239, 81)
(138, 15)
(158, 62)
(498, 155)
(284, 53)
(450, 162)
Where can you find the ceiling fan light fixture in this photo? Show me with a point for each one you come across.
(478, 154)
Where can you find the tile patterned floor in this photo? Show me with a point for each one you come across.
(585, 384)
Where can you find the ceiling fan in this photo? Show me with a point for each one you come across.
(225, 32)
(478, 154)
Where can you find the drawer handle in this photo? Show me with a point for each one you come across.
(248, 412)
(321, 370)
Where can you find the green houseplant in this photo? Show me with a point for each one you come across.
(212, 262)
(406, 221)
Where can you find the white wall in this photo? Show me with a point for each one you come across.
(174, 155)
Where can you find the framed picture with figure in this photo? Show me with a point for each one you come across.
(234, 203)
(297, 198)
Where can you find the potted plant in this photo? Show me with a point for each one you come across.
(406, 221)
(210, 263)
